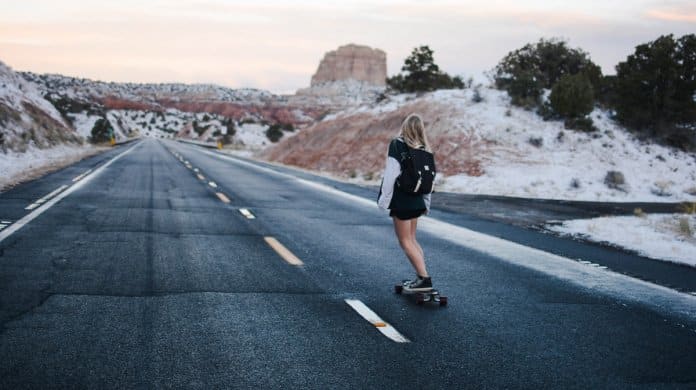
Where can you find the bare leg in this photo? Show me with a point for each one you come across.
(414, 225)
(415, 256)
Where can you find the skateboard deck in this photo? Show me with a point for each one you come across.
(422, 296)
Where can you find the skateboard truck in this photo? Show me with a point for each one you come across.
(422, 296)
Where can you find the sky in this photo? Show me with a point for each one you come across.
(277, 45)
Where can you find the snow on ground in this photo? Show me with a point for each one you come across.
(84, 123)
(19, 167)
(670, 237)
(524, 156)
(253, 135)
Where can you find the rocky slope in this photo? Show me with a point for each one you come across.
(26, 118)
(237, 104)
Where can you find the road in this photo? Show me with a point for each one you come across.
(144, 273)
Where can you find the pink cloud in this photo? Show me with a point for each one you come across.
(685, 14)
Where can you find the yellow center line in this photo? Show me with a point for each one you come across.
(223, 197)
(283, 251)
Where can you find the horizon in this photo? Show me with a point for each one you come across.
(276, 46)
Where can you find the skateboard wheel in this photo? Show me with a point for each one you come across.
(443, 301)
(398, 288)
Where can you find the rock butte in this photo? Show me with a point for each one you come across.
(351, 61)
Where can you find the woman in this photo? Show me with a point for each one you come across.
(406, 208)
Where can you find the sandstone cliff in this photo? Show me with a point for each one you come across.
(355, 62)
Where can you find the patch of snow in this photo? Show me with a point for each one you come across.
(84, 123)
(253, 135)
(21, 166)
(658, 236)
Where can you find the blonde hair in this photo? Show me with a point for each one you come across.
(413, 132)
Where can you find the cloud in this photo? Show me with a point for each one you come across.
(686, 14)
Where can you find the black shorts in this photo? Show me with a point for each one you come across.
(405, 215)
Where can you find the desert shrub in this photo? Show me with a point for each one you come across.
(199, 129)
(288, 127)
(582, 124)
(101, 131)
(231, 128)
(477, 98)
(572, 96)
(655, 89)
(420, 73)
(575, 183)
(536, 141)
(525, 72)
(274, 133)
(685, 227)
(615, 180)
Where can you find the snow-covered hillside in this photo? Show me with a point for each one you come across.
(492, 147)
(26, 118)
(79, 88)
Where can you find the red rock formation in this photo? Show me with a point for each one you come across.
(356, 62)
(358, 143)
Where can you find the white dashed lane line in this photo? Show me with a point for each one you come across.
(247, 213)
(212, 184)
(372, 317)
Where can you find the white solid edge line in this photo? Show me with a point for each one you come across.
(372, 317)
(29, 217)
(614, 284)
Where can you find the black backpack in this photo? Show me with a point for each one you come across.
(417, 172)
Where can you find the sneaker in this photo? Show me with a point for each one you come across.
(420, 284)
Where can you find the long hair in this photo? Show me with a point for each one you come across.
(413, 132)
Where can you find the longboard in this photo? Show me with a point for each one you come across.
(422, 297)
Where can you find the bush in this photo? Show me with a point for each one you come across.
(536, 141)
(231, 128)
(477, 98)
(572, 96)
(102, 131)
(420, 73)
(615, 180)
(525, 72)
(655, 89)
(274, 133)
(582, 124)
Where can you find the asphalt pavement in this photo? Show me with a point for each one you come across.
(144, 273)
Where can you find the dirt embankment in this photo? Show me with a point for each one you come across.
(357, 143)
